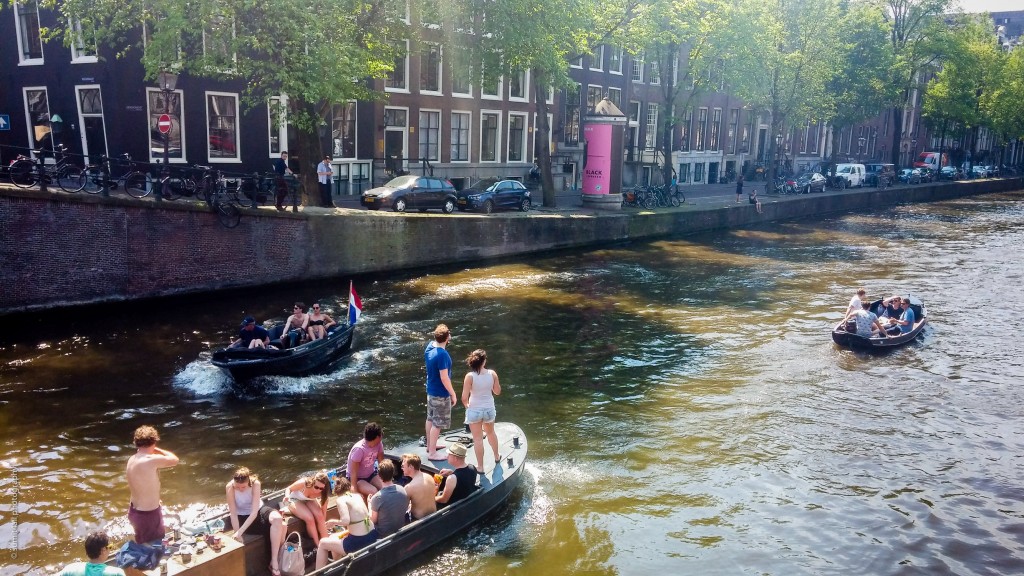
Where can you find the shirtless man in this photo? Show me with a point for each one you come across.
(421, 489)
(295, 327)
(143, 476)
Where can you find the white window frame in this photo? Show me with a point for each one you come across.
(651, 128)
(79, 54)
(238, 120)
(455, 94)
(619, 91)
(355, 132)
(637, 69)
(550, 97)
(469, 136)
(597, 100)
(440, 131)
(440, 69)
(82, 116)
(619, 51)
(655, 75)
(28, 115)
(577, 64)
(524, 76)
(498, 95)
(497, 137)
(597, 56)
(526, 135)
(22, 34)
(282, 129)
(405, 71)
(430, 25)
(153, 157)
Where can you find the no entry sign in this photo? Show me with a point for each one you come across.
(164, 123)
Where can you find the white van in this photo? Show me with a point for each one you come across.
(851, 175)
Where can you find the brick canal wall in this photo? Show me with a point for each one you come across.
(66, 250)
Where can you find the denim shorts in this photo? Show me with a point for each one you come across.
(474, 415)
(439, 411)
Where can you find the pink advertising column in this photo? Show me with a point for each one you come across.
(603, 131)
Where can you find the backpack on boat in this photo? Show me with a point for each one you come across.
(292, 562)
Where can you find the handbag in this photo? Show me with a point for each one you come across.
(290, 556)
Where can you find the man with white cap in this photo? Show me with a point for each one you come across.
(461, 481)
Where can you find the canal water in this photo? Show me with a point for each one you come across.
(686, 409)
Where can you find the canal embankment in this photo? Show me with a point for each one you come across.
(62, 250)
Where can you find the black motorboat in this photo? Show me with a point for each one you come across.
(309, 358)
(846, 335)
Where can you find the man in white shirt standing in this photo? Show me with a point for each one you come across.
(324, 172)
(855, 302)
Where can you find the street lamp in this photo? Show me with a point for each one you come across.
(168, 80)
(860, 148)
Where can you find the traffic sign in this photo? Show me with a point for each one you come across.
(164, 123)
(5, 122)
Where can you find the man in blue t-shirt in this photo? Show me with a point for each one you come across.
(906, 321)
(441, 396)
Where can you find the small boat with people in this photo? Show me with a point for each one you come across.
(845, 332)
(493, 489)
(310, 357)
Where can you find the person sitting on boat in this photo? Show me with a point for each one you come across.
(868, 324)
(295, 327)
(389, 506)
(96, 549)
(307, 501)
(359, 532)
(361, 459)
(855, 302)
(892, 307)
(460, 482)
(420, 488)
(906, 319)
(246, 510)
(318, 323)
(251, 336)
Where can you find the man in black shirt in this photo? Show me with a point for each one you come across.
(461, 481)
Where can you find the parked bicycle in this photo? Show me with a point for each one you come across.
(99, 177)
(212, 187)
(25, 172)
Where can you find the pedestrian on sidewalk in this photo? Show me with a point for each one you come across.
(739, 188)
(324, 173)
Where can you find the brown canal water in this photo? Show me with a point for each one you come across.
(686, 408)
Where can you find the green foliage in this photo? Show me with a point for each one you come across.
(861, 86)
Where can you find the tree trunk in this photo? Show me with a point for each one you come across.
(307, 157)
(543, 135)
(897, 134)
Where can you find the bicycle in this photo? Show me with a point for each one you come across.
(98, 178)
(25, 172)
(213, 188)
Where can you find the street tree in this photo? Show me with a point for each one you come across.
(307, 54)
(1006, 112)
(780, 61)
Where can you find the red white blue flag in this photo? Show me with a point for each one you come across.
(355, 305)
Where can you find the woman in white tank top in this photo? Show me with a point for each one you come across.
(478, 391)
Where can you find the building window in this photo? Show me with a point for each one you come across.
(615, 60)
(489, 136)
(462, 72)
(157, 107)
(460, 137)
(343, 130)
(597, 58)
(748, 129)
(430, 13)
(398, 79)
(578, 63)
(430, 68)
(734, 124)
(277, 125)
(430, 135)
(222, 126)
(29, 38)
(571, 133)
(655, 72)
(615, 95)
(37, 110)
(698, 172)
(702, 128)
(651, 136)
(516, 137)
(684, 130)
(83, 43)
(634, 112)
(716, 130)
(90, 114)
(490, 87)
(594, 95)
(638, 68)
(517, 86)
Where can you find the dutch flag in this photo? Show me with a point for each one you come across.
(355, 305)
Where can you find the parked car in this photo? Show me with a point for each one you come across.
(910, 176)
(492, 194)
(416, 192)
(927, 174)
(950, 173)
(992, 170)
(979, 172)
(877, 173)
(810, 182)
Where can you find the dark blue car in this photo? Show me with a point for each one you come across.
(492, 194)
